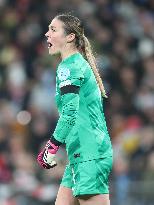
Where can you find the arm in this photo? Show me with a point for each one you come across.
(69, 79)
(70, 106)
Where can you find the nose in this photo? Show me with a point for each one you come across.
(47, 34)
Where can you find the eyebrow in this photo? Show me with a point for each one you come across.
(50, 26)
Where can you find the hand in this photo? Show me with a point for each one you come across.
(47, 156)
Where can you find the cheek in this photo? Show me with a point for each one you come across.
(59, 40)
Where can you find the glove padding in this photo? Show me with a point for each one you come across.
(46, 158)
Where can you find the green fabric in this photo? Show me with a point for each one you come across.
(87, 138)
(70, 107)
(90, 177)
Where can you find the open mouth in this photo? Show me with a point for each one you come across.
(49, 45)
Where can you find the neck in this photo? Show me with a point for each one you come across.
(68, 52)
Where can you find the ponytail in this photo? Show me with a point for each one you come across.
(87, 51)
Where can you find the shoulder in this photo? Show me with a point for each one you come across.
(70, 74)
(72, 70)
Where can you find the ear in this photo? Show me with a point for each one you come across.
(70, 37)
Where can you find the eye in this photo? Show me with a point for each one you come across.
(53, 29)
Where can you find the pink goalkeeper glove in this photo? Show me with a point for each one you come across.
(46, 158)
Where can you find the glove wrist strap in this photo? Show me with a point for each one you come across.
(55, 142)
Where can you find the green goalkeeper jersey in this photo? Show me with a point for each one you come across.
(81, 125)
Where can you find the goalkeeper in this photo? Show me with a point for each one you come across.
(81, 125)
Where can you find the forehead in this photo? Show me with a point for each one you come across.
(55, 23)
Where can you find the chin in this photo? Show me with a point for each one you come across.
(53, 52)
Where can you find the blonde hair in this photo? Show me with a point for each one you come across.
(91, 59)
(73, 25)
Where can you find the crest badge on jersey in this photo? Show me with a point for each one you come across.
(63, 74)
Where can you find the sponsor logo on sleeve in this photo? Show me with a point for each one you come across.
(63, 74)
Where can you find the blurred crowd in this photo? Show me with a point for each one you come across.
(122, 35)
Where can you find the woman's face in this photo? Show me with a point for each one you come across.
(56, 37)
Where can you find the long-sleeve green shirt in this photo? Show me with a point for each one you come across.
(81, 125)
